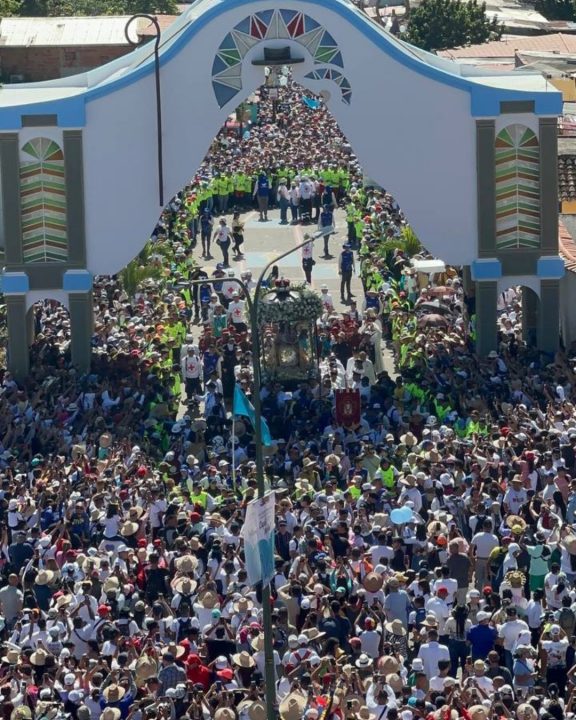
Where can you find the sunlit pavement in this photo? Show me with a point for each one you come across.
(263, 241)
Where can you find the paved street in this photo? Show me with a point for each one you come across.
(263, 241)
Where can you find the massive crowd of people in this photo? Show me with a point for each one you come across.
(425, 557)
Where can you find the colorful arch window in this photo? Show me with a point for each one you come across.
(268, 25)
(517, 155)
(43, 202)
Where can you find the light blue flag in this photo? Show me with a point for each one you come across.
(310, 102)
(242, 406)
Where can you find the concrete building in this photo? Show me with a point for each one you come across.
(45, 48)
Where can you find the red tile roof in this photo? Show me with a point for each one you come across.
(556, 42)
(567, 247)
(148, 30)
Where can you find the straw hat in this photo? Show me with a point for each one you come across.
(292, 707)
(44, 577)
(38, 657)
(112, 583)
(113, 693)
(135, 513)
(395, 682)
(395, 627)
(303, 484)
(63, 601)
(22, 712)
(184, 585)
(146, 667)
(313, 634)
(477, 712)
(525, 711)
(256, 711)
(12, 656)
(258, 643)
(176, 650)
(209, 600)
(388, 664)
(365, 714)
(516, 524)
(110, 713)
(570, 544)
(225, 714)
(243, 605)
(430, 621)
(373, 582)
(243, 659)
(129, 528)
(186, 563)
(409, 439)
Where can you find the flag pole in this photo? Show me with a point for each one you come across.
(233, 450)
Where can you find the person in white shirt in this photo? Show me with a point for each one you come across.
(431, 652)
(191, 367)
(236, 313)
(370, 638)
(555, 587)
(326, 298)
(481, 546)
(438, 607)
(508, 634)
(515, 496)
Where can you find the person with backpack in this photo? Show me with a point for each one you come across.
(346, 267)
(262, 195)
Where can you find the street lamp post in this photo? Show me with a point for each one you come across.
(269, 670)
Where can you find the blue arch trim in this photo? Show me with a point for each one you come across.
(485, 101)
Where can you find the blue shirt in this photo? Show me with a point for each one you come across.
(482, 639)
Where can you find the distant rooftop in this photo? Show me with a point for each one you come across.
(67, 31)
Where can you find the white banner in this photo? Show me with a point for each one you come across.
(258, 534)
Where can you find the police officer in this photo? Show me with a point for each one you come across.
(346, 267)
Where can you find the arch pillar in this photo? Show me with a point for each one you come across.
(81, 329)
(18, 348)
(486, 316)
(549, 326)
(530, 316)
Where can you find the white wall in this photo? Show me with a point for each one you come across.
(413, 135)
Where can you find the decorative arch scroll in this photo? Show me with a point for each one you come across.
(268, 25)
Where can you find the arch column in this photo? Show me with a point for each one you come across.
(486, 316)
(18, 350)
(530, 316)
(549, 326)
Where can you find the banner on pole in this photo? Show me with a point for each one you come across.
(348, 407)
(258, 534)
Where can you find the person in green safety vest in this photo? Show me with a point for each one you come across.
(441, 408)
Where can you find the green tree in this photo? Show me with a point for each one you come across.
(64, 8)
(556, 9)
(443, 24)
(9, 7)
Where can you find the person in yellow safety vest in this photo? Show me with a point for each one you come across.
(441, 409)
(351, 217)
(387, 473)
(473, 424)
(197, 495)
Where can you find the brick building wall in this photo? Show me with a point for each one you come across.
(46, 63)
